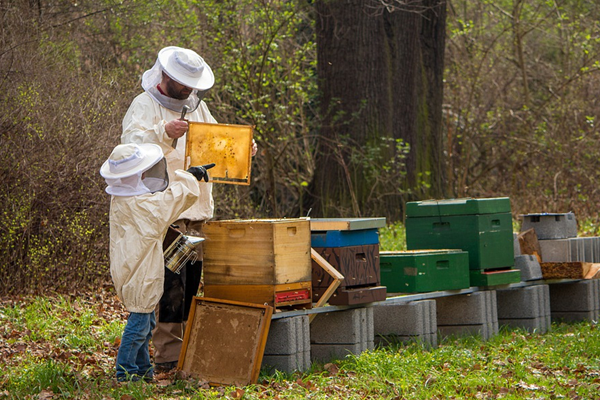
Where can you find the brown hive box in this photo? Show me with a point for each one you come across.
(259, 261)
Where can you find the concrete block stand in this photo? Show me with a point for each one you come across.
(335, 335)
(551, 225)
(403, 323)
(526, 307)
(575, 301)
(468, 314)
(529, 266)
(288, 345)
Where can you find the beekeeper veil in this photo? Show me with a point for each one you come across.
(134, 169)
(183, 66)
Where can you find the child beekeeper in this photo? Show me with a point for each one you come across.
(142, 207)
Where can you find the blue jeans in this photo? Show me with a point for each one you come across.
(133, 358)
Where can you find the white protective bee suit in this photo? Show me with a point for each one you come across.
(141, 211)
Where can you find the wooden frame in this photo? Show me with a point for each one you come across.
(337, 280)
(224, 341)
(228, 146)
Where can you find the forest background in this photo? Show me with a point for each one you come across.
(519, 114)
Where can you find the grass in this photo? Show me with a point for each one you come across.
(64, 347)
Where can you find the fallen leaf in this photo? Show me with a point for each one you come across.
(45, 395)
(332, 368)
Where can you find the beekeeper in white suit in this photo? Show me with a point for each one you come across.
(142, 207)
(179, 78)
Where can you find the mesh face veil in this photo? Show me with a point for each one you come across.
(156, 179)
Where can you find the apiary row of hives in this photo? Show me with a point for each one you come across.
(451, 244)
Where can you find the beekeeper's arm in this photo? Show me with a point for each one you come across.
(148, 122)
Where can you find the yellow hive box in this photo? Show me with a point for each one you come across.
(228, 146)
(257, 252)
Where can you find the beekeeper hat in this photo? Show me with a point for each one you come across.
(186, 67)
(130, 159)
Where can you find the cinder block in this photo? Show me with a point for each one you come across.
(339, 327)
(288, 336)
(521, 302)
(529, 267)
(403, 323)
(516, 245)
(411, 319)
(557, 250)
(288, 345)
(466, 309)
(348, 326)
(575, 316)
(332, 352)
(287, 363)
(474, 314)
(588, 245)
(551, 225)
(486, 331)
(428, 340)
(545, 299)
(334, 335)
(581, 296)
(526, 307)
(577, 249)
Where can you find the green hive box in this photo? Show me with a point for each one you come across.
(482, 227)
(494, 278)
(421, 271)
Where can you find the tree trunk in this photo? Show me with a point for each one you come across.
(380, 75)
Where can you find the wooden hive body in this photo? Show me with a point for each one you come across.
(424, 270)
(260, 261)
(351, 246)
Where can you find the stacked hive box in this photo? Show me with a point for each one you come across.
(482, 227)
(259, 261)
(419, 271)
(351, 246)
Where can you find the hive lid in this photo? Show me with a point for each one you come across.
(345, 224)
(411, 253)
(463, 206)
(228, 146)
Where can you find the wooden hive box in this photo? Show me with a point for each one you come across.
(351, 246)
(483, 227)
(259, 261)
(418, 271)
